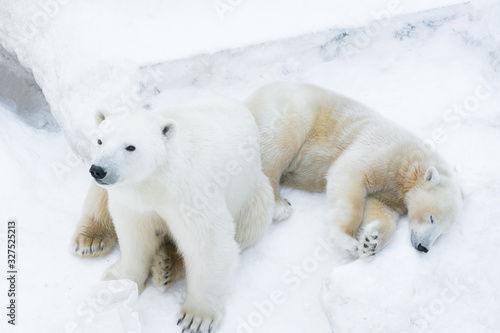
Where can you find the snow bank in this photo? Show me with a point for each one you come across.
(87, 55)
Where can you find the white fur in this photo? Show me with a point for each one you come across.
(203, 177)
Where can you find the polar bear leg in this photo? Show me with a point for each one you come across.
(273, 165)
(257, 214)
(282, 207)
(210, 255)
(137, 233)
(346, 199)
(168, 265)
(379, 224)
(95, 233)
(251, 222)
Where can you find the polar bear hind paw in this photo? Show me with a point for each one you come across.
(282, 210)
(168, 266)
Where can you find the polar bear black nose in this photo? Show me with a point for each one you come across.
(422, 248)
(97, 172)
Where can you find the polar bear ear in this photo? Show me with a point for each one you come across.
(100, 116)
(432, 176)
(169, 128)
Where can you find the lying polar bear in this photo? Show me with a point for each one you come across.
(191, 175)
(372, 170)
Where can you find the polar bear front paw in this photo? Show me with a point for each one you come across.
(168, 266)
(350, 247)
(195, 323)
(346, 244)
(369, 240)
(91, 240)
(282, 210)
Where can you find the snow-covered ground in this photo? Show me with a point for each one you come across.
(436, 72)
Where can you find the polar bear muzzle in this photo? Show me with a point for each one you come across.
(420, 243)
(422, 248)
(98, 173)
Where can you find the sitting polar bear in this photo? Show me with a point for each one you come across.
(372, 170)
(191, 174)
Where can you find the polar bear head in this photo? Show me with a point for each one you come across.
(434, 204)
(129, 147)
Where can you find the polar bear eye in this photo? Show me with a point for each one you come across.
(432, 219)
(130, 148)
(99, 142)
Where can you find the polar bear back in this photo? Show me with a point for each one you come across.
(316, 126)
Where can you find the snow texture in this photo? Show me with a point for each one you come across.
(20, 93)
(431, 66)
(111, 306)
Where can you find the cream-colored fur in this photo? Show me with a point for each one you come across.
(372, 170)
(168, 265)
(95, 233)
(95, 236)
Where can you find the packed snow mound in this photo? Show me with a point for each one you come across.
(89, 55)
(110, 306)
